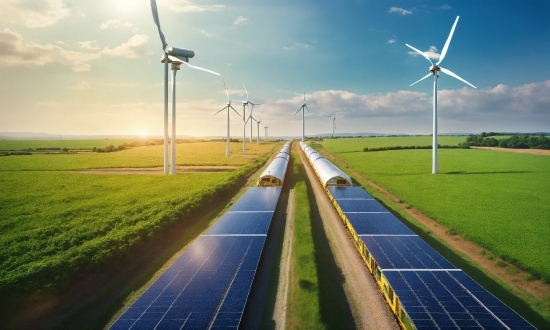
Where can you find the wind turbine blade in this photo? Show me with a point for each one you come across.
(199, 68)
(444, 51)
(245, 91)
(220, 111)
(419, 52)
(157, 22)
(226, 91)
(426, 76)
(456, 76)
(235, 111)
(307, 108)
(298, 111)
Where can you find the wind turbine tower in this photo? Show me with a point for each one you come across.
(434, 69)
(175, 56)
(245, 119)
(302, 108)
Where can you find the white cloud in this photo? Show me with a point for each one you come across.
(16, 51)
(35, 13)
(401, 11)
(204, 33)
(431, 53)
(90, 45)
(80, 86)
(114, 23)
(136, 47)
(444, 7)
(462, 105)
(298, 45)
(392, 41)
(189, 7)
(240, 21)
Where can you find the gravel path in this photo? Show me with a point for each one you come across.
(369, 309)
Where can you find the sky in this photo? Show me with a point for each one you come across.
(77, 67)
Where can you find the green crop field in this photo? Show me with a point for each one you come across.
(56, 224)
(498, 200)
(195, 153)
(70, 144)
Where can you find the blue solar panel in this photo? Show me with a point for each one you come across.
(258, 199)
(349, 205)
(214, 275)
(404, 252)
(348, 192)
(441, 299)
(242, 223)
(377, 224)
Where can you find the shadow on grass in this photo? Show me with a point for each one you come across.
(335, 310)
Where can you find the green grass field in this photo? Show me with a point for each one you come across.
(70, 144)
(498, 200)
(55, 224)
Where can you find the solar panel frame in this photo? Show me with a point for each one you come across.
(377, 224)
(242, 223)
(404, 252)
(258, 199)
(439, 299)
(192, 292)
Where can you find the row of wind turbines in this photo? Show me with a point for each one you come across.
(177, 56)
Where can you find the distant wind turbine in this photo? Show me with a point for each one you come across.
(245, 119)
(175, 56)
(333, 122)
(434, 69)
(266, 131)
(227, 106)
(258, 122)
(304, 106)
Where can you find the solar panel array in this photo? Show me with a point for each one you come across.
(432, 292)
(208, 285)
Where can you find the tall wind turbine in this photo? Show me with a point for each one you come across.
(333, 122)
(247, 119)
(227, 106)
(434, 69)
(175, 56)
(304, 106)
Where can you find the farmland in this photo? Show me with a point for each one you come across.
(497, 200)
(56, 224)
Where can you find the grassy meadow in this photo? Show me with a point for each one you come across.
(498, 200)
(56, 224)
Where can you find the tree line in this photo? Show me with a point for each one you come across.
(515, 141)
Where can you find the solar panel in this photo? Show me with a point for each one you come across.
(377, 224)
(350, 205)
(214, 275)
(404, 252)
(258, 199)
(348, 192)
(242, 223)
(441, 299)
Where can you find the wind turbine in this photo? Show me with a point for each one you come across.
(304, 105)
(245, 119)
(227, 106)
(333, 122)
(434, 69)
(258, 122)
(175, 56)
(266, 130)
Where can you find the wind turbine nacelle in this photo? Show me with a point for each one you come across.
(180, 52)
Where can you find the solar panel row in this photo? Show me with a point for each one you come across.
(208, 285)
(419, 283)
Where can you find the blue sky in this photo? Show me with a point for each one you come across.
(92, 67)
